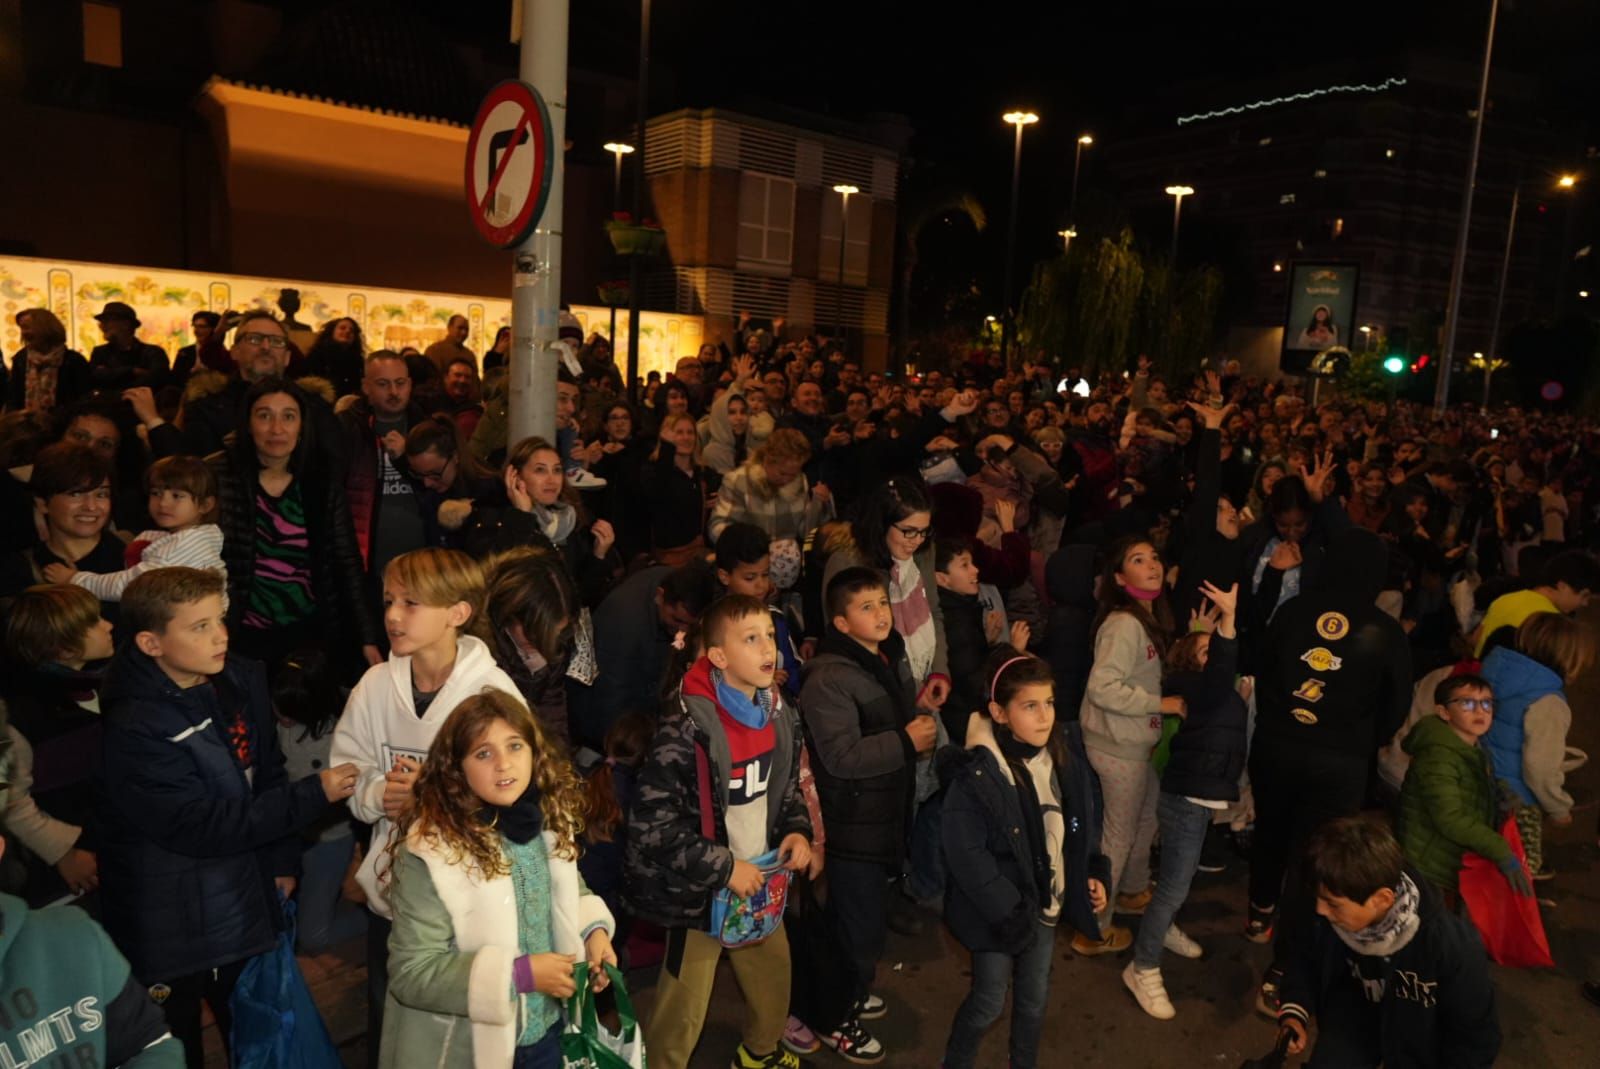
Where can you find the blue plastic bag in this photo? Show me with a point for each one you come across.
(275, 1022)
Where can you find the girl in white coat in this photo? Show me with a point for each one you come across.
(490, 914)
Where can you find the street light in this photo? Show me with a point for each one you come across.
(1566, 181)
(1019, 119)
(1177, 193)
(844, 192)
(619, 150)
(1066, 237)
(1084, 141)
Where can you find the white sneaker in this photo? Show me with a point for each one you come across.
(1177, 941)
(583, 479)
(1148, 989)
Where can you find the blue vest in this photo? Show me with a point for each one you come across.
(1518, 682)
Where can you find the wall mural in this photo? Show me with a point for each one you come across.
(390, 319)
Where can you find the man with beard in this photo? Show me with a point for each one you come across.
(1094, 498)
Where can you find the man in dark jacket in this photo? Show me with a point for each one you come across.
(385, 502)
(124, 360)
(1334, 685)
(1391, 976)
(1069, 575)
(199, 818)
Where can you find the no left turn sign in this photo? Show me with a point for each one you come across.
(510, 163)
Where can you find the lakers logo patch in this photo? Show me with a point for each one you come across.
(1333, 626)
(159, 993)
(1321, 659)
(1305, 716)
(1310, 691)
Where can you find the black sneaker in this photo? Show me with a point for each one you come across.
(871, 1008)
(1258, 926)
(1269, 999)
(853, 1043)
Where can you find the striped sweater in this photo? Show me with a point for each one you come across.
(199, 546)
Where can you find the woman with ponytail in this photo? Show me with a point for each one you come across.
(1121, 716)
(1021, 836)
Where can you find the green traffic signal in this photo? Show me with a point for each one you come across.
(1394, 365)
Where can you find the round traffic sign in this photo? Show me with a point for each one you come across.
(510, 163)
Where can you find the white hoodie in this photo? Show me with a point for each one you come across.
(380, 723)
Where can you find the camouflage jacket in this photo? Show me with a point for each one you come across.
(672, 869)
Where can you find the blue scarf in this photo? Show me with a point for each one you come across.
(752, 714)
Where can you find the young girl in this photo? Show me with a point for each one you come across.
(1201, 778)
(430, 597)
(1528, 737)
(305, 695)
(1121, 715)
(183, 504)
(608, 798)
(490, 913)
(1021, 842)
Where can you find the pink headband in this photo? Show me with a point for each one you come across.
(999, 671)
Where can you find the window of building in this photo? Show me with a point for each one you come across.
(766, 219)
(102, 34)
(857, 244)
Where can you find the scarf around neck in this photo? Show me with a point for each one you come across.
(1018, 754)
(1389, 935)
(752, 714)
(520, 821)
(557, 522)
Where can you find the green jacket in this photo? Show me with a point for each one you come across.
(1448, 804)
(69, 997)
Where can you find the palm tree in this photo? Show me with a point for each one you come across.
(917, 211)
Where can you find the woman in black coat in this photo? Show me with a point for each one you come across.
(294, 568)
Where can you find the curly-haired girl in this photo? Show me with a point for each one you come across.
(490, 913)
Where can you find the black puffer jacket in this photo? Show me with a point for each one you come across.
(856, 705)
(969, 648)
(991, 900)
(336, 573)
(1069, 641)
(673, 869)
(1208, 752)
(191, 837)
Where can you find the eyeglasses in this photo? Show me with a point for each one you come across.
(1473, 705)
(913, 534)
(271, 341)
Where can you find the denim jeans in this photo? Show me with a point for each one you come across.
(543, 1053)
(991, 970)
(326, 919)
(1183, 832)
(925, 880)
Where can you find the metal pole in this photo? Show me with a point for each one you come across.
(1006, 324)
(838, 298)
(1458, 268)
(536, 271)
(616, 205)
(638, 191)
(1500, 294)
(1177, 212)
(616, 183)
(1072, 201)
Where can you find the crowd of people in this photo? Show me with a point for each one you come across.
(766, 658)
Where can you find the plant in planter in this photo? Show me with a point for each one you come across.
(635, 239)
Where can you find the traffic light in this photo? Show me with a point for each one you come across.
(1394, 364)
(1398, 344)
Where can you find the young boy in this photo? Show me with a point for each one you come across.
(52, 706)
(859, 704)
(733, 727)
(1565, 585)
(85, 1008)
(1448, 803)
(743, 559)
(199, 821)
(969, 633)
(1391, 977)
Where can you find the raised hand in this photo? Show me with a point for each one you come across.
(1317, 480)
(1226, 601)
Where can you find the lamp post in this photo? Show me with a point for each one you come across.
(1458, 266)
(844, 192)
(1084, 141)
(619, 150)
(1177, 193)
(643, 103)
(1066, 237)
(1019, 119)
(1566, 181)
(1367, 342)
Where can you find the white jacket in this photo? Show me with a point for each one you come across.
(380, 723)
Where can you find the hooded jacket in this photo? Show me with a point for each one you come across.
(1336, 674)
(1208, 753)
(856, 705)
(991, 900)
(86, 1009)
(1448, 803)
(968, 646)
(1518, 681)
(192, 837)
(673, 869)
(380, 723)
(1436, 1007)
(1069, 576)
